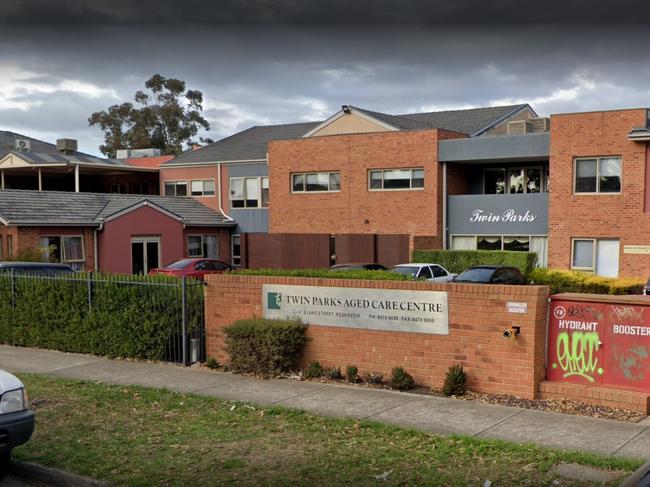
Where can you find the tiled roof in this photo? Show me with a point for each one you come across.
(20, 207)
(149, 162)
(252, 143)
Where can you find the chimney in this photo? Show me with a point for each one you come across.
(66, 146)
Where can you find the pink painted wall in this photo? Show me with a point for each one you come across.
(114, 241)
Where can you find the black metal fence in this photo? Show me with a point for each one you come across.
(148, 317)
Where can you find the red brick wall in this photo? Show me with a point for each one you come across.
(29, 238)
(477, 317)
(619, 216)
(413, 212)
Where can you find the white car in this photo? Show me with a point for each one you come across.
(428, 272)
(16, 419)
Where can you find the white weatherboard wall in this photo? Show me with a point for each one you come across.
(374, 309)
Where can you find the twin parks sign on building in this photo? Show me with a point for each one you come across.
(375, 309)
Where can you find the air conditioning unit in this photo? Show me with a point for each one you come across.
(66, 145)
(22, 145)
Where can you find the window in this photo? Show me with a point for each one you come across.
(316, 182)
(65, 249)
(598, 175)
(176, 188)
(515, 180)
(425, 273)
(204, 187)
(235, 249)
(396, 179)
(249, 192)
(202, 246)
(10, 246)
(595, 255)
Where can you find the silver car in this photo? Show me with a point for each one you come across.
(426, 271)
(16, 419)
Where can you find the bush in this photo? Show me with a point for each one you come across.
(325, 273)
(212, 363)
(352, 373)
(562, 281)
(455, 381)
(264, 346)
(314, 370)
(334, 373)
(375, 378)
(457, 261)
(401, 380)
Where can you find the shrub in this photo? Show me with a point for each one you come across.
(334, 373)
(264, 346)
(212, 363)
(563, 281)
(352, 373)
(455, 381)
(314, 370)
(375, 378)
(325, 273)
(401, 380)
(458, 260)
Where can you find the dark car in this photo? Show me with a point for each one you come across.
(491, 274)
(35, 268)
(358, 267)
(196, 268)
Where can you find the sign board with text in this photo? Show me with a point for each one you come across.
(349, 307)
(636, 249)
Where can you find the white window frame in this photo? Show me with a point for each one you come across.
(62, 256)
(593, 254)
(305, 174)
(144, 241)
(202, 236)
(597, 192)
(176, 182)
(203, 193)
(260, 180)
(232, 250)
(383, 170)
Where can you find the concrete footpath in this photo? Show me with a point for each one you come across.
(424, 413)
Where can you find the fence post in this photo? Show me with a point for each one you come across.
(89, 280)
(13, 293)
(186, 360)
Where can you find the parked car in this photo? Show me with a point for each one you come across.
(16, 419)
(491, 274)
(429, 272)
(35, 268)
(196, 268)
(359, 267)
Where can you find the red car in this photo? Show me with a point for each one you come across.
(195, 268)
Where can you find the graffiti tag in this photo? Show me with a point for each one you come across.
(584, 311)
(576, 354)
(627, 313)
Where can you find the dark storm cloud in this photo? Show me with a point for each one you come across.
(317, 12)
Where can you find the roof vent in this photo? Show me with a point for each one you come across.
(67, 146)
(22, 145)
(345, 108)
(530, 126)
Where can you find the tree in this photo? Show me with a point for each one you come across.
(167, 116)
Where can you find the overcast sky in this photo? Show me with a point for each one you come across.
(263, 62)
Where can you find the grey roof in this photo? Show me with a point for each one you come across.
(252, 143)
(45, 153)
(20, 207)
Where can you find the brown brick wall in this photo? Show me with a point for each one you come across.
(477, 319)
(29, 238)
(619, 216)
(599, 396)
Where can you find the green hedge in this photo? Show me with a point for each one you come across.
(127, 317)
(562, 281)
(265, 346)
(459, 260)
(325, 273)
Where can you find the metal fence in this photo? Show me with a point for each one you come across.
(149, 317)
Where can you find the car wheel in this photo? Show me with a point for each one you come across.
(5, 463)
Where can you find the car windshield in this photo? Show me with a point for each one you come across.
(406, 270)
(478, 274)
(180, 264)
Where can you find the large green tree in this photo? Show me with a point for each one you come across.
(166, 116)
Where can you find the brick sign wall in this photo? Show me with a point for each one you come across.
(477, 317)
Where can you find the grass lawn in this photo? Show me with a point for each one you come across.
(138, 436)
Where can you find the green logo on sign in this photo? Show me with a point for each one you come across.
(274, 300)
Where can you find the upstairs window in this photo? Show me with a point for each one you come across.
(203, 187)
(515, 180)
(175, 188)
(388, 179)
(249, 192)
(316, 182)
(598, 175)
